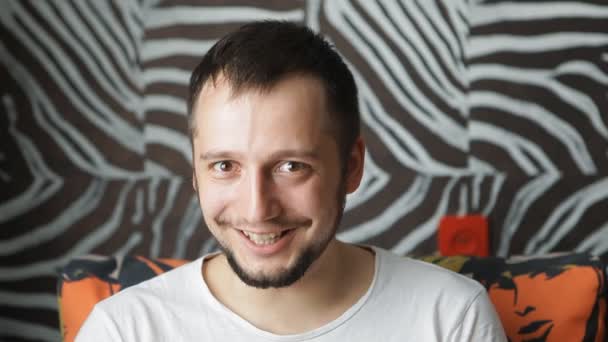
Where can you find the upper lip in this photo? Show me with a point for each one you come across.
(255, 231)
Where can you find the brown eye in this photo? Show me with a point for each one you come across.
(291, 166)
(223, 166)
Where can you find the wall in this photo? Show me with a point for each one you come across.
(491, 107)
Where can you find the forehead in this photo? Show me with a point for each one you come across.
(291, 114)
(293, 86)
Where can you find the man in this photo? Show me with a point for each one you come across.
(276, 147)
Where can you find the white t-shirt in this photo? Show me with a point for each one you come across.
(408, 300)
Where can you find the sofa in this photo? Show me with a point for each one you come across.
(557, 297)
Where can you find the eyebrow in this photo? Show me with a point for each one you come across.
(281, 154)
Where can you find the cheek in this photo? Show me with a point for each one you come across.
(212, 200)
(315, 199)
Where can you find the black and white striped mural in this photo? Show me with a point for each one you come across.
(469, 106)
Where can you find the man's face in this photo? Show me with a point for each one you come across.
(268, 176)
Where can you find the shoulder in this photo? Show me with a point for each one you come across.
(148, 309)
(423, 276)
(430, 289)
(453, 304)
(170, 287)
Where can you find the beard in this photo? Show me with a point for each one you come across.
(285, 277)
(307, 256)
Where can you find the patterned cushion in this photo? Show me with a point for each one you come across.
(549, 298)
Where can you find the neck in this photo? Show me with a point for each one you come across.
(333, 283)
(317, 285)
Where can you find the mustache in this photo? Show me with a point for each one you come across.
(285, 221)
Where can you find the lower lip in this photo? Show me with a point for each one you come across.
(268, 250)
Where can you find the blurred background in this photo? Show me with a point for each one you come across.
(495, 108)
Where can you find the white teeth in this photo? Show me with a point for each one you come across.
(262, 239)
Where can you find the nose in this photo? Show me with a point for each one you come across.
(258, 197)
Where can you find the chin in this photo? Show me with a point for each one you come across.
(281, 278)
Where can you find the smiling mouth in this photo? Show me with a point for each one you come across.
(265, 239)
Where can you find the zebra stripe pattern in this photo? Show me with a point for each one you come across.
(490, 107)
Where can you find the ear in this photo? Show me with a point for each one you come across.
(194, 182)
(354, 172)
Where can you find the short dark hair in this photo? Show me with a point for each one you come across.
(260, 54)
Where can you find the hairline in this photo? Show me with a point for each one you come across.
(236, 91)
